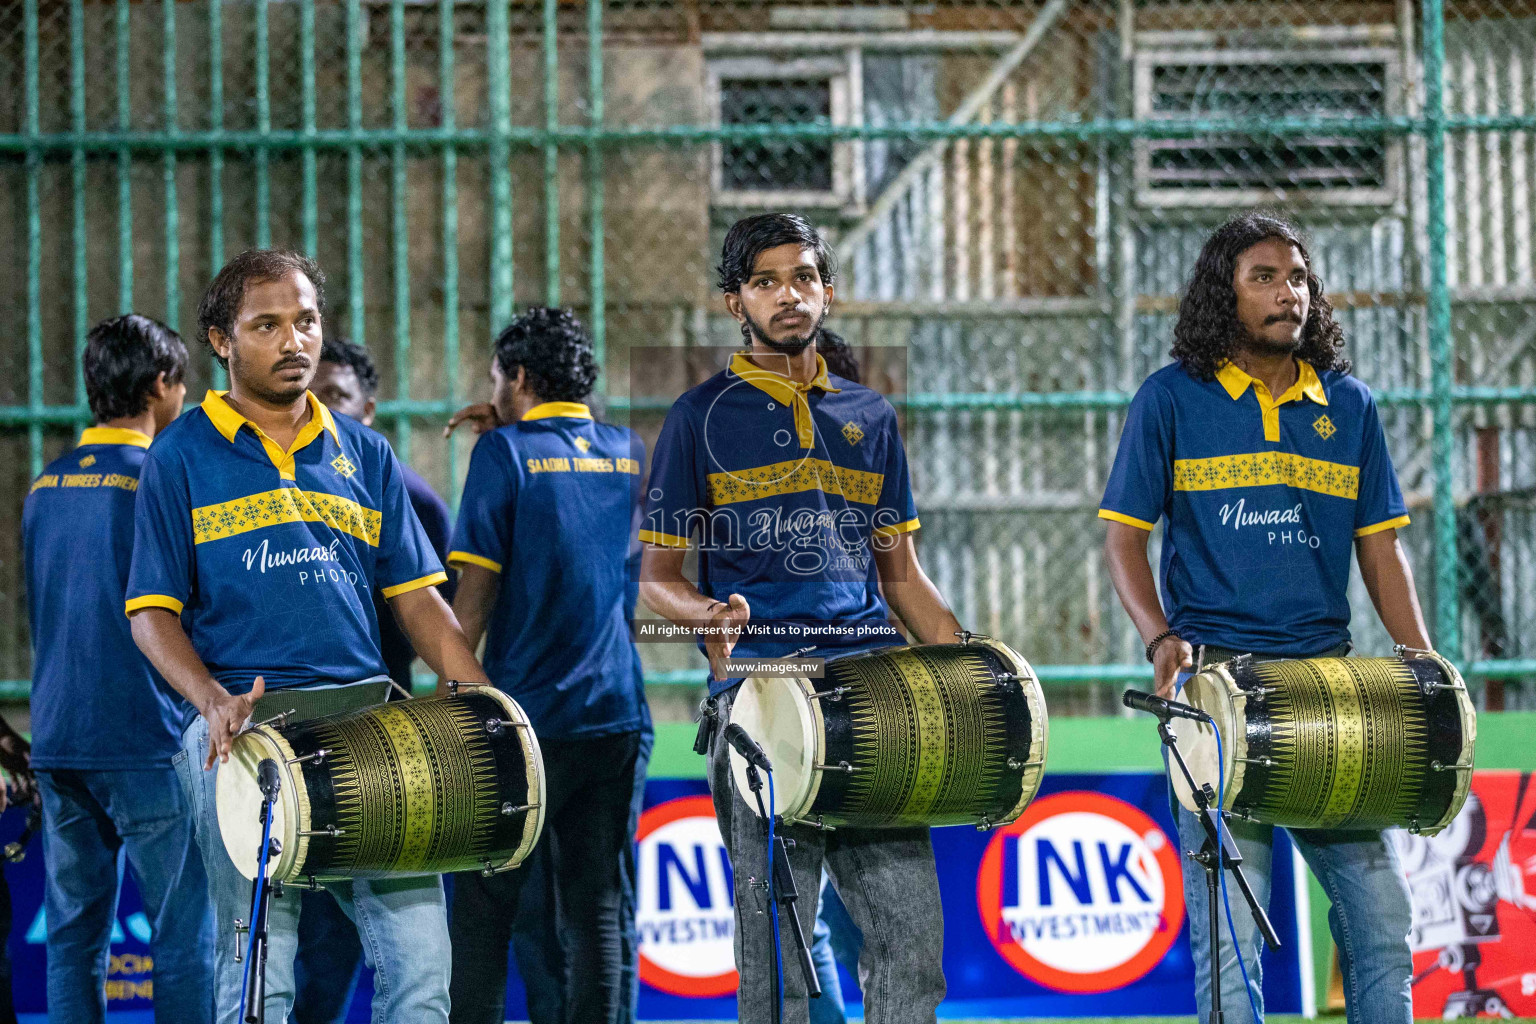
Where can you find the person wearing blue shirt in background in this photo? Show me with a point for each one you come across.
(329, 955)
(105, 726)
(1268, 462)
(264, 526)
(794, 484)
(543, 545)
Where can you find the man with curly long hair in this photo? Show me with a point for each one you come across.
(542, 546)
(1268, 462)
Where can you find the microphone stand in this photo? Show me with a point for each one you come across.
(1219, 850)
(255, 1009)
(784, 893)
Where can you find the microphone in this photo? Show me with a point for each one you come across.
(1164, 709)
(747, 747)
(267, 779)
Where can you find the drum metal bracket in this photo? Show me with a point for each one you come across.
(1263, 762)
(986, 824)
(1014, 764)
(509, 808)
(489, 870)
(330, 831)
(1402, 649)
(966, 636)
(277, 721)
(495, 725)
(835, 694)
(1436, 766)
(841, 766)
(312, 885)
(818, 824)
(318, 757)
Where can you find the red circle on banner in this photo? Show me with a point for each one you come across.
(1157, 850)
(652, 973)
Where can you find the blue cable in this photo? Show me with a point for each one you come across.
(773, 906)
(1221, 801)
(261, 881)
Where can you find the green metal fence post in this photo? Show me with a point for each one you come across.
(1447, 596)
(216, 156)
(168, 170)
(357, 316)
(498, 83)
(309, 214)
(399, 231)
(124, 166)
(551, 153)
(77, 190)
(449, 106)
(263, 127)
(34, 242)
(597, 317)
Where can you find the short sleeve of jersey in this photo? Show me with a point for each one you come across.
(1380, 504)
(483, 536)
(672, 494)
(1141, 479)
(406, 560)
(897, 510)
(161, 572)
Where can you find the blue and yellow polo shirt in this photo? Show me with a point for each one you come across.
(784, 488)
(271, 557)
(550, 505)
(1263, 498)
(90, 685)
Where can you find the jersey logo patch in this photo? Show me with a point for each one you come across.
(343, 465)
(852, 432)
(1324, 427)
(87, 462)
(583, 445)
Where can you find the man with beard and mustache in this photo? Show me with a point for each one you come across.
(795, 485)
(1269, 463)
(263, 527)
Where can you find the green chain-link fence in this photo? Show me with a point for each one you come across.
(1017, 191)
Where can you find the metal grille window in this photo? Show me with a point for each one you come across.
(1267, 85)
(772, 172)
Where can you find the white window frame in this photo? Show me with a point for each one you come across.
(1147, 60)
(841, 73)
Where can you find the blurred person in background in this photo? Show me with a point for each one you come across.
(105, 725)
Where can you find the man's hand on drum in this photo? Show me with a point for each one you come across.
(723, 629)
(1173, 656)
(226, 715)
(481, 417)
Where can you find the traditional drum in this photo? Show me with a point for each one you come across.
(411, 787)
(1348, 743)
(937, 734)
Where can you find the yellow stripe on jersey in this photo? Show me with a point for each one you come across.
(284, 505)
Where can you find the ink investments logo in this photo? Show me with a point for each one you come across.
(1083, 893)
(685, 909)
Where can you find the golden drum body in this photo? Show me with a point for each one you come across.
(1338, 743)
(414, 787)
(931, 734)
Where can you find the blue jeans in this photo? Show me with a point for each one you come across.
(829, 1009)
(88, 816)
(1369, 916)
(402, 921)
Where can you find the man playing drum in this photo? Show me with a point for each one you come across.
(795, 485)
(264, 524)
(1268, 461)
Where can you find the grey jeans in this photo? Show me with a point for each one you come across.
(886, 878)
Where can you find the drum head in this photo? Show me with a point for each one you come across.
(1211, 691)
(238, 801)
(775, 712)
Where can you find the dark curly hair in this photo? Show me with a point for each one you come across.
(554, 351)
(752, 236)
(838, 355)
(221, 302)
(1208, 329)
(124, 357)
(344, 353)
